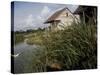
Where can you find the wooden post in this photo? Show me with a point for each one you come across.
(83, 17)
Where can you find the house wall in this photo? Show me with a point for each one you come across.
(66, 19)
(54, 26)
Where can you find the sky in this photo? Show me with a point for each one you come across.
(32, 15)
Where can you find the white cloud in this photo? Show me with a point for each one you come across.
(45, 12)
(36, 22)
(39, 20)
(29, 19)
(33, 22)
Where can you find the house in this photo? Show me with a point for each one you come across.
(87, 13)
(61, 19)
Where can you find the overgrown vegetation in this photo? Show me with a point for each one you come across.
(72, 48)
(35, 38)
(18, 37)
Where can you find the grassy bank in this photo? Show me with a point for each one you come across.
(18, 37)
(35, 38)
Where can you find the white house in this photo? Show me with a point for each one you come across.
(61, 19)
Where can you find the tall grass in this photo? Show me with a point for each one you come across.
(73, 48)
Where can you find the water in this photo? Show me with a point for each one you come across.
(24, 57)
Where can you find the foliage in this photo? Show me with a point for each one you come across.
(35, 38)
(73, 48)
(18, 37)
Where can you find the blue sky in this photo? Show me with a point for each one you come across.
(30, 15)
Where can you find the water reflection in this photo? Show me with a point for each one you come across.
(23, 57)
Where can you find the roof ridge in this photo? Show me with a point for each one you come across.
(56, 13)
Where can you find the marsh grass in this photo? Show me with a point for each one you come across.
(18, 37)
(73, 48)
(35, 39)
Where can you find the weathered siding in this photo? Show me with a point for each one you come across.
(67, 19)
